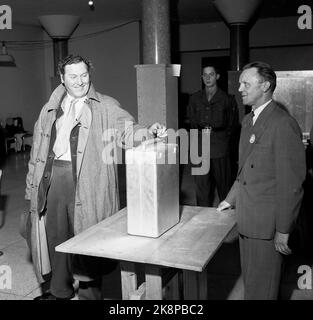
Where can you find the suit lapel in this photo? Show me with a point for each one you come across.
(252, 134)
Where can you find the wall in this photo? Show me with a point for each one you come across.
(113, 54)
(25, 89)
(22, 88)
(277, 41)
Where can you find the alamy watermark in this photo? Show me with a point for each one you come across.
(5, 277)
(193, 147)
(305, 20)
(5, 17)
(305, 280)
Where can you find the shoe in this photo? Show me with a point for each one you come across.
(50, 296)
(44, 296)
(67, 298)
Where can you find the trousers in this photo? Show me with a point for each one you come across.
(59, 228)
(261, 268)
(219, 176)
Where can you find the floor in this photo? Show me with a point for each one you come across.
(224, 269)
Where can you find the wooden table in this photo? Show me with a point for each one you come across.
(188, 246)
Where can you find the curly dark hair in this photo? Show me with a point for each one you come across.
(70, 59)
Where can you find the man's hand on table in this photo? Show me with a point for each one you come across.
(223, 206)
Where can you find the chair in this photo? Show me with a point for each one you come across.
(27, 137)
(8, 142)
(9, 135)
(17, 135)
(2, 141)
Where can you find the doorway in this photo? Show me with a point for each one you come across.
(222, 64)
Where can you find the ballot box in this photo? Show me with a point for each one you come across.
(152, 179)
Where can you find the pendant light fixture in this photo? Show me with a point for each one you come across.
(6, 60)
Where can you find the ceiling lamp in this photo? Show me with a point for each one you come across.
(60, 29)
(6, 60)
(239, 11)
(59, 26)
(91, 5)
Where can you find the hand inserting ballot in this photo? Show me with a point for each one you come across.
(157, 130)
(223, 206)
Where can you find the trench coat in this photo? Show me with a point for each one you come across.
(103, 126)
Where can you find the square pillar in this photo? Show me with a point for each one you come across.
(157, 95)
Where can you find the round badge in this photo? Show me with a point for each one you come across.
(252, 138)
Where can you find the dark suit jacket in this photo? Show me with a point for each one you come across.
(268, 190)
(221, 113)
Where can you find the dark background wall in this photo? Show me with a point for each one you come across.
(114, 53)
(277, 41)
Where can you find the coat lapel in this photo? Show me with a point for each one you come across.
(85, 119)
(245, 146)
(85, 122)
(247, 141)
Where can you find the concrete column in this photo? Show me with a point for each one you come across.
(156, 31)
(237, 17)
(157, 95)
(60, 51)
(157, 87)
(239, 46)
(60, 29)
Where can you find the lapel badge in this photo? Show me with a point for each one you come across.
(252, 138)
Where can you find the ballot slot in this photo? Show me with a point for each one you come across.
(152, 186)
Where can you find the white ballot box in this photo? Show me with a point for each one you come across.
(152, 178)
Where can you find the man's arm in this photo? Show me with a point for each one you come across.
(33, 155)
(127, 132)
(290, 172)
(230, 200)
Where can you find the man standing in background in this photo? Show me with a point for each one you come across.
(214, 110)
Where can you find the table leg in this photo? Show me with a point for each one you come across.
(173, 289)
(195, 285)
(153, 282)
(128, 278)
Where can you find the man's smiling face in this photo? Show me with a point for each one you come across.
(76, 79)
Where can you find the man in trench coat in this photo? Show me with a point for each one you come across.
(72, 178)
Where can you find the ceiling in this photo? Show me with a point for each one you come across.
(119, 11)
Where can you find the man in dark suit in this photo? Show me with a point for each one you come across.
(213, 110)
(268, 189)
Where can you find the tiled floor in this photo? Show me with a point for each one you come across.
(224, 269)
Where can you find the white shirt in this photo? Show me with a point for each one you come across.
(65, 106)
(78, 105)
(258, 110)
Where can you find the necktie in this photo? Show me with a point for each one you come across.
(251, 117)
(64, 130)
